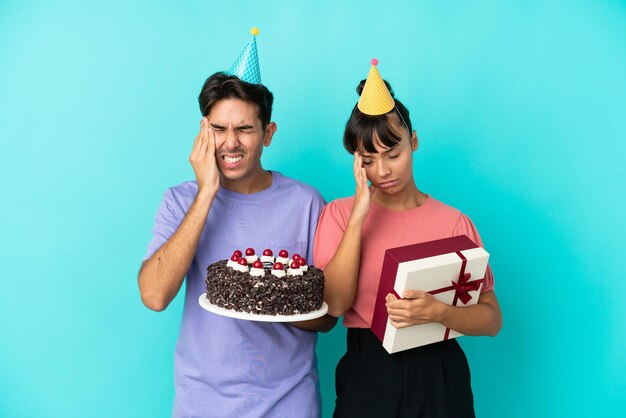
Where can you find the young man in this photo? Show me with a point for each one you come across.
(229, 367)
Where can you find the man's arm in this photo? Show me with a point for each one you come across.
(322, 324)
(162, 275)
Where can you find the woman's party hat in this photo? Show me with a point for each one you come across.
(246, 66)
(375, 98)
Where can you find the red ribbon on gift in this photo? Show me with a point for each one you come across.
(461, 288)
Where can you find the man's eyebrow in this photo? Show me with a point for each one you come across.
(217, 126)
(245, 127)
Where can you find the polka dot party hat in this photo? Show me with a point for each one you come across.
(246, 66)
(375, 98)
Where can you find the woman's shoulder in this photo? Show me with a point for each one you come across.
(443, 209)
(343, 202)
(338, 209)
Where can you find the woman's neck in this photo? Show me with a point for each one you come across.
(408, 198)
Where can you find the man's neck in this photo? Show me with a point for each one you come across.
(254, 184)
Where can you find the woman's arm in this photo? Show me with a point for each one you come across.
(342, 272)
(419, 307)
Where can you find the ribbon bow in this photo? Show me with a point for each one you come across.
(462, 288)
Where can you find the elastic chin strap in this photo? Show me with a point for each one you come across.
(403, 121)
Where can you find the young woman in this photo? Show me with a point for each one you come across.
(352, 236)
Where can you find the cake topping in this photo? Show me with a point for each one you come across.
(238, 253)
(257, 269)
(251, 256)
(295, 269)
(234, 259)
(303, 264)
(295, 257)
(283, 257)
(242, 265)
(267, 258)
(278, 270)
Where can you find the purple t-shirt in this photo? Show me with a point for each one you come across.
(227, 367)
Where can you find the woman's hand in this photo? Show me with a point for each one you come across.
(364, 192)
(417, 307)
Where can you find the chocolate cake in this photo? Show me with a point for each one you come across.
(265, 286)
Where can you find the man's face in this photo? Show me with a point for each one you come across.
(239, 140)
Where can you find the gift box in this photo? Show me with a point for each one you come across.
(450, 269)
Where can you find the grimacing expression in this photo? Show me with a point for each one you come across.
(239, 138)
(390, 169)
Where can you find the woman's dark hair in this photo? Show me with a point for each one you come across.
(361, 128)
(223, 86)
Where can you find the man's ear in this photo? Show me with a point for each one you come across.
(414, 141)
(270, 130)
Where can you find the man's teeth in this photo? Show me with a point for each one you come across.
(232, 160)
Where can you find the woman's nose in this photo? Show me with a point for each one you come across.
(382, 170)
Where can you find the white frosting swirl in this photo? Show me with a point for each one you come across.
(278, 272)
(267, 259)
(295, 272)
(251, 258)
(241, 268)
(282, 260)
(257, 272)
(232, 264)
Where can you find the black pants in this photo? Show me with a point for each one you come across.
(428, 381)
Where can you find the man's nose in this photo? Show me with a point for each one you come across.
(232, 141)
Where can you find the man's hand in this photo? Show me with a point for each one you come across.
(203, 160)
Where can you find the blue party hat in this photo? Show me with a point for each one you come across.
(246, 66)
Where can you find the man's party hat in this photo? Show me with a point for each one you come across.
(375, 98)
(246, 66)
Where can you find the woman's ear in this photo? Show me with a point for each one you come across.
(414, 141)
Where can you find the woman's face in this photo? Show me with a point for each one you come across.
(391, 169)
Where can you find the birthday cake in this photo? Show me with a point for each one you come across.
(266, 286)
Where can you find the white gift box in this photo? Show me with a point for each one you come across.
(451, 269)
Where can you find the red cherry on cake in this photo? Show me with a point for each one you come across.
(268, 253)
(295, 265)
(302, 261)
(250, 251)
(279, 266)
(296, 257)
(283, 254)
(257, 265)
(243, 261)
(235, 257)
(237, 253)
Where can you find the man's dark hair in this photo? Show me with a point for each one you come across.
(360, 128)
(223, 86)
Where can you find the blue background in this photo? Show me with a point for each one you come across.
(519, 107)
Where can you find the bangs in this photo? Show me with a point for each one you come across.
(363, 131)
